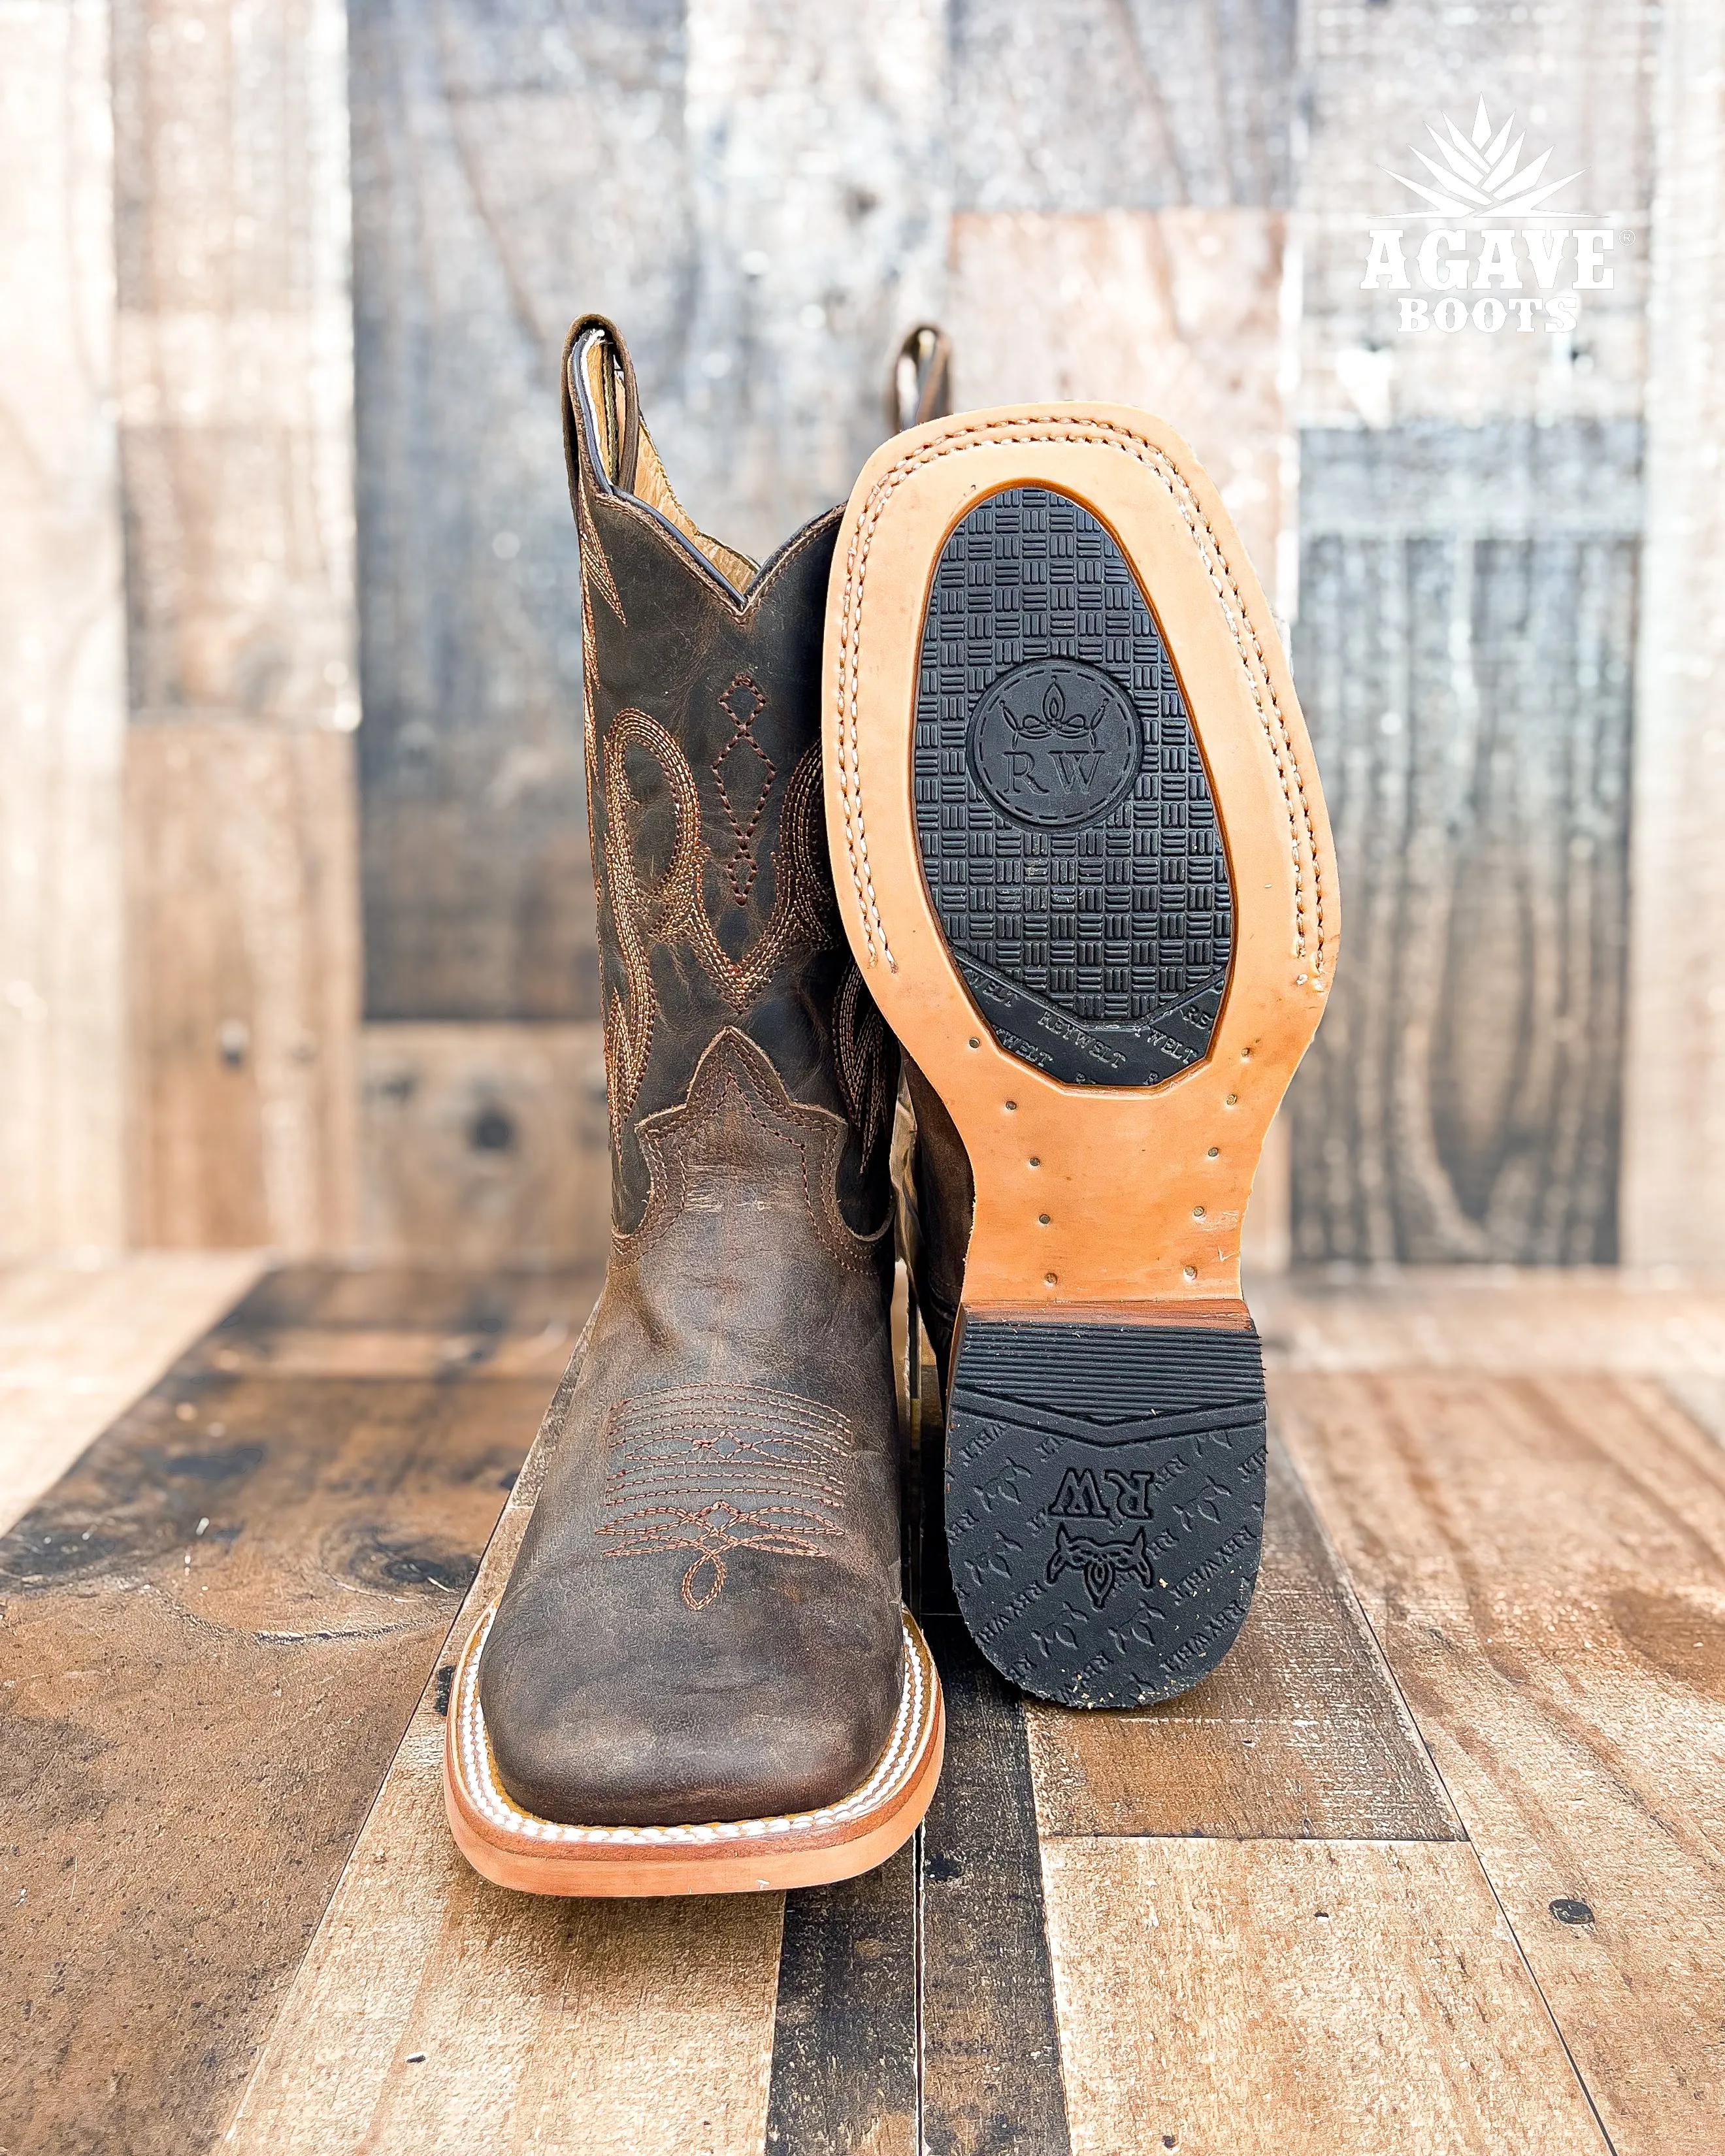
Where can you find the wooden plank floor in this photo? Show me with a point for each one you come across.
(1433, 1862)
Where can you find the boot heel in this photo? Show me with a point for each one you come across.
(1105, 1496)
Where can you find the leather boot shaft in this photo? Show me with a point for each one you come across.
(705, 802)
(704, 1621)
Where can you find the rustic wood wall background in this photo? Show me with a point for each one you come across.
(287, 284)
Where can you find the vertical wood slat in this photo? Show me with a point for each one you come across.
(1674, 1128)
(1091, 104)
(62, 678)
(1464, 652)
(484, 1145)
(512, 168)
(235, 429)
(244, 968)
(818, 167)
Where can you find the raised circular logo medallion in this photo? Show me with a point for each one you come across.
(1056, 743)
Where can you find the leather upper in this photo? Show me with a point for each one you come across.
(703, 1621)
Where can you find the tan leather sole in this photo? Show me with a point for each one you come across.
(1145, 1189)
(511, 1847)
(1035, 735)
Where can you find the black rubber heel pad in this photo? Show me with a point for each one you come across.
(1064, 818)
(1104, 1502)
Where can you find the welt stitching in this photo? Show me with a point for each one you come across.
(1106, 434)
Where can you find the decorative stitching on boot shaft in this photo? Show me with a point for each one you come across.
(1106, 434)
(669, 908)
(713, 1468)
(752, 772)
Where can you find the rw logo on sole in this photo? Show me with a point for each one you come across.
(1056, 742)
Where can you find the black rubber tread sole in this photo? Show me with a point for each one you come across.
(1104, 1501)
(1064, 819)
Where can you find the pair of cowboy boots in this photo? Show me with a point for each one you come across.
(1000, 766)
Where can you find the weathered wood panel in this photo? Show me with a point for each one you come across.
(78, 1345)
(62, 656)
(818, 157)
(1298, 1734)
(1544, 1563)
(236, 448)
(1300, 1998)
(484, 1145)
(244, 984)
(1674, 1131)
(1175, 309)
(235, 348)
(216, 1627)
(432, 2006)
(1464, 652)
(511, 169)
(1082, 104)
(1577, 75)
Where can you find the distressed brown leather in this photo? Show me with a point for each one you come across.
(703, 1620)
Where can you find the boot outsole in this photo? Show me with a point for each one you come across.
(1083, 863)
(1105, 1501)
(513, 1847)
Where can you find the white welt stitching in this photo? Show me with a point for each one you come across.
(1106, 434)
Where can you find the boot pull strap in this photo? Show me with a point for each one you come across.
(919, 387)
(604, 437)
(602, 409)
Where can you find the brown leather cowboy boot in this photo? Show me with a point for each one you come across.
(1081, 855)
(699, 1678)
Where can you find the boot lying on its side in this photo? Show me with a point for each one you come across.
(700, 1678)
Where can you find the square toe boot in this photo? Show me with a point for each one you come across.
(700, 1678)
(1082, 856)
